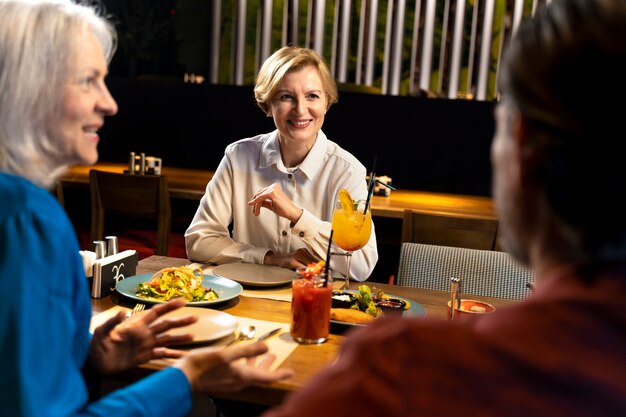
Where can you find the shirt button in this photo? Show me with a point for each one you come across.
(301, 234)
(284, 233)
(289, 176)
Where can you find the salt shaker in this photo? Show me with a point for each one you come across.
(99, 248)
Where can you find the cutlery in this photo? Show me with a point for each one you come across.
(269, 334)
(246, 333)
(139, 307)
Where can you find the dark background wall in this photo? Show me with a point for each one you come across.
(422, 143)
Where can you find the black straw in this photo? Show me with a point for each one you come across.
(386, 185)
(370, 188)
(327, 268)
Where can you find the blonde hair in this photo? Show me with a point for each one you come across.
(285, 60)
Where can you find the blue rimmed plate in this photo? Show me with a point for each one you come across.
(226, 289)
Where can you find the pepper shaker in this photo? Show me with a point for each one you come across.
(111, 245)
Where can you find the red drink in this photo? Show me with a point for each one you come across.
(310, 309)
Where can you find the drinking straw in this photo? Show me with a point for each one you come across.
(327, 267)
(370, 188)
(386, 185)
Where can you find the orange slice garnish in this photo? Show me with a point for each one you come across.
(346, 201)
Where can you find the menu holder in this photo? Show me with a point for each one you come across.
(109, 270)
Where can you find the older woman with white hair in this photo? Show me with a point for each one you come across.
(53, 101)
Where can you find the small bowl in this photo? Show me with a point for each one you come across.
(472, 307)
(343, 299)
(391, 305)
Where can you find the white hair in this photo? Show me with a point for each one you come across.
(36, 38)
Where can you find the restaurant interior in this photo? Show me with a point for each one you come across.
(433, 149)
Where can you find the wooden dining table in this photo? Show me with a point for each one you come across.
(305, 360)
(190, 184)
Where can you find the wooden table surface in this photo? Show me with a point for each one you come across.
(190, 184)
(306, 360)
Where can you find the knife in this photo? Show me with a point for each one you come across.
(269, 334)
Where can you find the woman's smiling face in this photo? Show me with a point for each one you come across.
(85, 102)
(299, 107)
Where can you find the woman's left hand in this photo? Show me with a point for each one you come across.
(274, 198)
(122, 343)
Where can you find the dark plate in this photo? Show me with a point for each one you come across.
(415, 309)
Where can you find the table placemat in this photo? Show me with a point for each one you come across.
(281, 345)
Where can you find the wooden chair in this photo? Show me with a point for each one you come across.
(142, 199)
(483, 272)
(445, 230)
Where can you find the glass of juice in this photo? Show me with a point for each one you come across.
(352, 227)
(310, 309)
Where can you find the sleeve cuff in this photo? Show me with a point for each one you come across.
(306, 226)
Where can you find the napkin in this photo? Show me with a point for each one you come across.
(89, 258)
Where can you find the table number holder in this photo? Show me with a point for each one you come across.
(109, 270)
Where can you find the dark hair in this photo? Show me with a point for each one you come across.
(564, 71)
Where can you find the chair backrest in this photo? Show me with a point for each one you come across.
(135, 196)
(444, 230)
(483, 272)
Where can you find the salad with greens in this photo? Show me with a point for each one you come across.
(176, 282)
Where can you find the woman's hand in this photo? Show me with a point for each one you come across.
(298, 259)
(120, 344)
(211, 370)
(274, 198)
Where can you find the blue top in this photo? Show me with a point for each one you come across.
(45, 312)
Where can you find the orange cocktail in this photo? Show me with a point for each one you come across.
(310, 309)
(351, 229)
(351, 225)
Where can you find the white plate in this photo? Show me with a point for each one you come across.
(211, 324)
(255, 274)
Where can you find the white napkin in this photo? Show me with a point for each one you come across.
(89, 258)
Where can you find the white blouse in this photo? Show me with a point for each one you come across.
(254, 163)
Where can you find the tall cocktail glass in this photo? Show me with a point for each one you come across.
(310, 309)
(351, 230)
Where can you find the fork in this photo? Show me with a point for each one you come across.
(139, 307)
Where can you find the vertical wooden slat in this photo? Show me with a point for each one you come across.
(387, 47)
(443, 46)
(427, 45)
(518, 12)
(344, 34)
(319, 6)
(371, 44)
(290, 22)
(335, 38)
(395, 71)
(415, 39)
(214, 42)
(240, 42)
(485, 50)
(472, 50)
(265, 31)
(457, 49)
(309, 25)
(361, 43)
